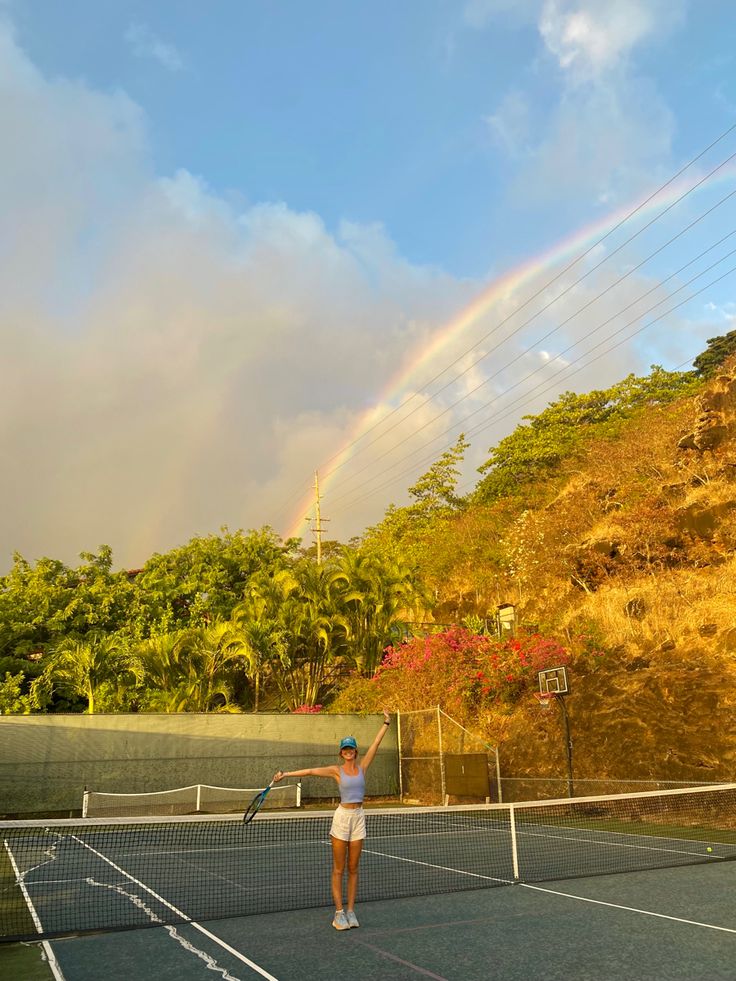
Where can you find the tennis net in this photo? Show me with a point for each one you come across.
(200, 798)
(59, 878)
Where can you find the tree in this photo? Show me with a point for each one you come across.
(218, 653)
(265, 647)
(203, 580)
(42, 604)
(718, 350)
(410, 531)
(12, 699)
(264, 635)
(160, 664)
(97, 670)
(190, 670)
(533, 451)
(314, 630)
(381, 593)
(435, 490)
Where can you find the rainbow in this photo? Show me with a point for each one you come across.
(499, 289)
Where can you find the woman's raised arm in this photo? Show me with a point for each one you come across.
(373, 748)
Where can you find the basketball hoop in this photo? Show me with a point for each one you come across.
(544, 698)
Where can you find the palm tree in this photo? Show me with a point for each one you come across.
(217, 653)
(315, 630)
(160, 666)
(97, 669)
(264, 635)
(382, 592)
(265, 648)
(191, 670)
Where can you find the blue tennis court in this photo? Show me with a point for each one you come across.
(663, 925)
(446, 892)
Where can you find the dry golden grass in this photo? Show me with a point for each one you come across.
(683, 608)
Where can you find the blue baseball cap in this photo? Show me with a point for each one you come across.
(348, 743)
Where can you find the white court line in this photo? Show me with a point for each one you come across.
(50, 955)
(619, 844)
(210, 961)
(605, 842)
(137, 853)
(197, 926)
(630, 909)
(555, 892)
(482, 829)
(442, 868)
(567, 895)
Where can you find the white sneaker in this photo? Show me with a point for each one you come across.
(352, 918)
(341, 921)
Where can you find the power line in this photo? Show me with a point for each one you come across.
(549, 283)
(549, 333)
(511, 409)
(555, 278)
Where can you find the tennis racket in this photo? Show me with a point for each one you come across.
(256, 804)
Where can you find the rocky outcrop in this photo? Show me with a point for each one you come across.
(716, 420)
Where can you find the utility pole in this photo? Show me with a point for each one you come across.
(317, 528)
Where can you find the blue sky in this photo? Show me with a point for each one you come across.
(227, 226)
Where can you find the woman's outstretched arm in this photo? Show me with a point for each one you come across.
(320, 771)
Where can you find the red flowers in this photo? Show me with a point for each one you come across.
(460, 667)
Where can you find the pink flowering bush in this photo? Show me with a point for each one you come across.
(462, 671)
(307, 710)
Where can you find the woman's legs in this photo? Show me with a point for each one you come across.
(354, 849)
(339, 854)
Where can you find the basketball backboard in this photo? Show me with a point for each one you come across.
(553, 680)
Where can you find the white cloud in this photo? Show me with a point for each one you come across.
(158, 343)
(609, 133)
(145, 44)
(589, 37)
(584, 36)
(726, 311)
(603, 142)
(172, 363)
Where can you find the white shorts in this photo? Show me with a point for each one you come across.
(348, 824)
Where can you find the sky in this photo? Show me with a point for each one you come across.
(248, 241)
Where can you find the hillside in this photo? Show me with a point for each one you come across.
(627, 544)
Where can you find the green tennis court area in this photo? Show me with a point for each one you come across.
(532, 890)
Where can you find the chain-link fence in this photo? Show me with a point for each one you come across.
(441, 762)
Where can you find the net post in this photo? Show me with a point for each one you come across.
(445, 799)
(198, 808)
(298, 793)
(514, 850)
(401, 756)
(85, 803)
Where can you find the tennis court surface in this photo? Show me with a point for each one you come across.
(432, 902)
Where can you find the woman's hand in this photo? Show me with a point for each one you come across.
(278, 775)
(386, 717)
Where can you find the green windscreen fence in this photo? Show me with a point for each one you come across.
(46, 761)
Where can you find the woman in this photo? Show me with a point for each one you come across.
(348, 825)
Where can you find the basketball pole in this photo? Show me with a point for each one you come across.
(568, 745)
(553, 685)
